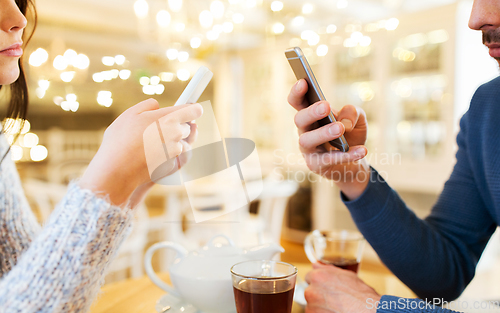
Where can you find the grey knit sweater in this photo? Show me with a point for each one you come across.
(60, 267)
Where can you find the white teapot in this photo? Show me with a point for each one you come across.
(202, 277)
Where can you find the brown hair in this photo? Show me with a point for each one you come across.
(18, 105)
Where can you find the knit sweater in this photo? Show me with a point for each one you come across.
(60, 267)
(436, 257)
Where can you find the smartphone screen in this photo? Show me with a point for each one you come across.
(302, 70)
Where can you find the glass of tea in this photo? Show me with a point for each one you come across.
(342, 248)
(263, 286)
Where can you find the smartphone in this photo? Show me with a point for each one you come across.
(302, 70)
(196, 86)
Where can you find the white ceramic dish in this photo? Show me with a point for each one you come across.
(172, 304)
(298, 295)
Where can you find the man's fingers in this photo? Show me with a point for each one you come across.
(349, 115)
(321, 265)
(296, 96)
(317, 161)
(316, 309)
(308, 116)
(308, 277)
(308, 141)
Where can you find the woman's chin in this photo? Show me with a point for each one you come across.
(9, 76)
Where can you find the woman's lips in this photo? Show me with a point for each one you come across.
(13, 51)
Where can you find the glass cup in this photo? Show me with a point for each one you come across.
(263, 286)
(342, 248)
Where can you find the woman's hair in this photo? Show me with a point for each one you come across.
(18, 105)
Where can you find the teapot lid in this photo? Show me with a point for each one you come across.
(212, 261)
(216, 249)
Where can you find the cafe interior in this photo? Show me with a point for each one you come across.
(412, 66)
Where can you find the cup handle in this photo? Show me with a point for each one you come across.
(181, 252)
(309, 249)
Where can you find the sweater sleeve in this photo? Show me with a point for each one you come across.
(58, 268)
(435, 257)
(18, 225)
(64, 266)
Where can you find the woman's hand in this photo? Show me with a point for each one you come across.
(346, 169)
(120, 165)
(185, 156)
(141, 191)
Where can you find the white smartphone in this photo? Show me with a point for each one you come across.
(196, 86)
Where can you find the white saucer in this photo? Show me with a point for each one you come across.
(298, 295)
(171, 304)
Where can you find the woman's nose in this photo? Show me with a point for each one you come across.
(11, 18)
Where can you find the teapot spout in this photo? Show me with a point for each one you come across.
(263, 252)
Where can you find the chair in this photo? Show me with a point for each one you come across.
(165, 223)
(243, 227)
(70, 152)
(130, 253)
(268, 221)
(43, 196)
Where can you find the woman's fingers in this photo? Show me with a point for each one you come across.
(185, 130)
(146, 105)
(193, 133)
(187, 114)
(166, 111)
(174, 148)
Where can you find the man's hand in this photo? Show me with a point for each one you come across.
(332, 289)
(346, 169)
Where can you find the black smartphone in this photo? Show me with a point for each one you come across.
(302, 70)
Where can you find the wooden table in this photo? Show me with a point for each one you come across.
(140, 295)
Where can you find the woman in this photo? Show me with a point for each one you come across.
(59, 268)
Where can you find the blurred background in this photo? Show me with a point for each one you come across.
(411, 65)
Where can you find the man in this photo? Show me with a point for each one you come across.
(435, 257)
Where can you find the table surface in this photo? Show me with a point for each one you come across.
(140, 295)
